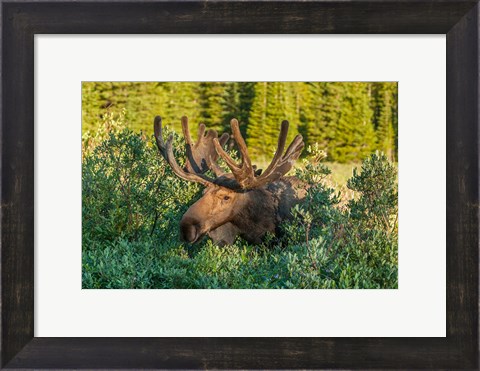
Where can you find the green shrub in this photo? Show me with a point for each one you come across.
(355, 246)
(377, 206)
(132, 204)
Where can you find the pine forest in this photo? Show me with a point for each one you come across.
(349, 120)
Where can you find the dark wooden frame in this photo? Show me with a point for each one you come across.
(459, 20)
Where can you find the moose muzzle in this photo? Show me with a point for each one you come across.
(190, 230)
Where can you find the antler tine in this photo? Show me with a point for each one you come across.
(217, 170)
(186, 130)
(279, 166)
(166, 150)
(296, 145)
(223, 139)
(157, 129)
(243, 173)
(201, 155)
(282, 139)
(201, 131)
(242, 146)
(190, 163)
(284, 165)
(237, 136)
(230, 162)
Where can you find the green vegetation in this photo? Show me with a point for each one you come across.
(349, 120)
(132, 204)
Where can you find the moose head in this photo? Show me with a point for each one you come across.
(246, 202)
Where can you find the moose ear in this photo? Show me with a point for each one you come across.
(256, 171)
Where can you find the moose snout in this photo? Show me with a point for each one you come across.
(189, 230)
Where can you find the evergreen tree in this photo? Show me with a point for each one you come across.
(211, 97)
(246, 94)
(355, 135)
(273, 103)
(348, 120)
(395, 117)
(182, 100)
(257, 120)
(384, 106)
(304, 107)
(231, 105)
(140, 101)
(323, 113)
(342, 120)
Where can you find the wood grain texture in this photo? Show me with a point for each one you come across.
(463, 182)
(239, 353)
(21, 20)
(241, 17)
(17, 159)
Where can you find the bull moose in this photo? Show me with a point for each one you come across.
(246, 202)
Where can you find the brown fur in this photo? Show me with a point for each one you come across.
(223, 213)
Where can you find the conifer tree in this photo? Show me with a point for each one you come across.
(385, 117)
(304, 106)
(211, 99)
(323, 113)
(257, 120)
(246, 94)
(355, 135)
(395, 117)
(348, 120)
(182, 100)
(140, 101)
(231, 105)
(280, 106)
(342, 120)
(273, 103)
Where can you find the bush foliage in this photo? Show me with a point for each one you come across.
(132, 205)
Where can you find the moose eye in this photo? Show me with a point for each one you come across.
(226, 198)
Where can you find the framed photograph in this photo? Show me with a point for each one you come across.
(148, 184)
(256, 204)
